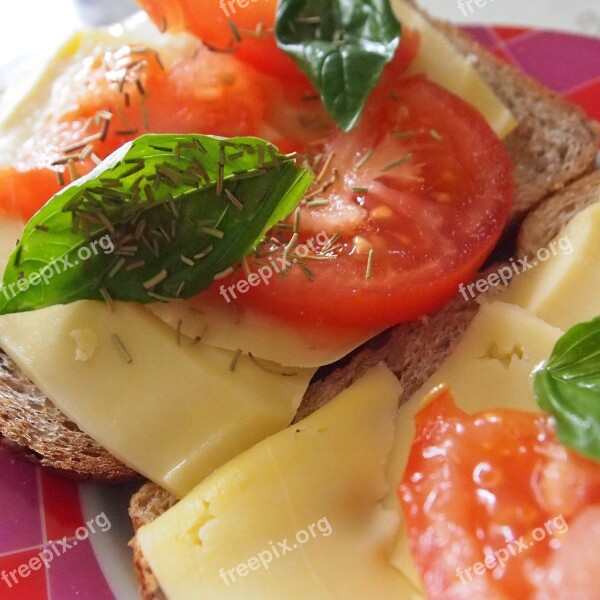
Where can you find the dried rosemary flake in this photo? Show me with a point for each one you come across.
(235, 359)
(105, 221)
(246, 267)
(296, 220)
(228, 271)
(220, 175)
(178, 332)
(204, 253)
(234, 200)
(133, 170)
(117, 267)
(234, 30)
(325, 166)
(308, 20)
(309, 274)
(160, 298)
(72, 170)
(268, 369)
(330, 243)
(363, 161)
(107, 298)
(186, 260)
(136, 265)
(216, 233)
(369, 271)
(406, 158)
(154, 281)
(291, 244)
(403, 135)
(85, 153)
(121, 348)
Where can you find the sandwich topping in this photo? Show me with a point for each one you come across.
(414, 198)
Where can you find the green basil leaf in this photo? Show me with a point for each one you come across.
(342, 46)
(568, 387)
(157, 220)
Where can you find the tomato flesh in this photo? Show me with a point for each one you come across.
(209, 93)
(492, 482)
(211, 21)
(425, 184)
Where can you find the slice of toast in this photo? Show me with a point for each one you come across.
(412, 351)
(553, 144)
(545, 222)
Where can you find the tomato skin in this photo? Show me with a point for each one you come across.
(447, 212)
(475, 484)
(210, 21)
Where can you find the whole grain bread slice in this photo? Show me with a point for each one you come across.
(554, 144)
(545, 222)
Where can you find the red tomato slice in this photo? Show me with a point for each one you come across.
(209, 93)
(439, 193)
(497, 482)
(218, 23)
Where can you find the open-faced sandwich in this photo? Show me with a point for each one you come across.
(263, 256)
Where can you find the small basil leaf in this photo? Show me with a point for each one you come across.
(342, 46)
(568, 387)
(157, 220)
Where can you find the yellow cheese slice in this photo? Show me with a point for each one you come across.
(175, 412)
(443, 64)
(490, 368)
(232, 326)
(311, 493)
(563, 290)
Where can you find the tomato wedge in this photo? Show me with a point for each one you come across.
(242, 26)
(416, 198)
(489, 500)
